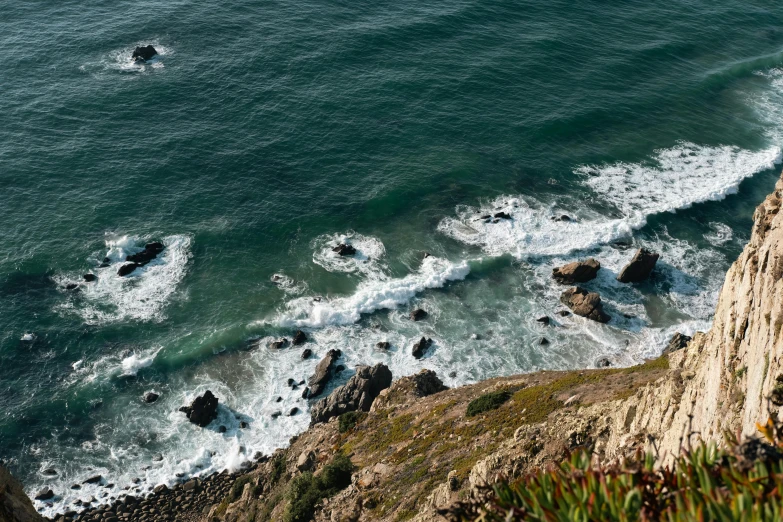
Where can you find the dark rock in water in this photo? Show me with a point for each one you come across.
(603, 362)
(151, 397)
(279, 399)
(564, 217)
(299, 338)
(420, 347)
(222, 429)
(276, 414)
(301, 382)
(307, 353)
(76, 486)
(323, 372)
(93, 480)
(544, 320)
(678, 342)
(306, 393)
(339, 369)
(640, 267)
(502, 215)
(126, 269)
(244, 425)
(543, 341)
(344, 250)
(577, 272)
(44, 494)
(71, 286)
(150, 252)
(418, 314)
(90, 277)
(202, 410)
(563, 313)
(584, 303)
(49, 472)
(279, 344)
(293, 411)
(290, 381)
(383, 345)
(357, 394)
(143, 53)
(452, 374)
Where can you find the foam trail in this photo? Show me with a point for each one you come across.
(372, 295)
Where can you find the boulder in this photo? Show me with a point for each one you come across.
(71, 286)
(543, 341)
(44, 494)
(420, 347)
(584, 303)
(577, 272)
(293, 411)
(357, 394)
(323, 372)
(677, 342)
(383, 345)
(150, 252)
(502, 215)
(90, 277)
(50, 472)
(143, 53)
(307, 353)
(126, 269)
(564, 217)
(563, 313)
(93, 480)
(151, 397)
(639, 268)
(344, 250)
(306, 461)
(418, 314)
(202, 410)
(299, 338)
(279, 344)
(545, 320)
(425, 383)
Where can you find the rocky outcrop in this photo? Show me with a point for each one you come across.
(584, 303)
(299, 338)
(15, 506)
(420, 347)
(418, 315)
(344, 250)
(357, 394)
(677, 342)
(143, 53)
(323, 372)
(640, 267)
(577, 272)
(410, 388)
(134, 261)
(202, 410)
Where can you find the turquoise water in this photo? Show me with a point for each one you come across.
(267, 131)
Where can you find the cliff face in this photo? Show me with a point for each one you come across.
(15, 506)
(417, 455)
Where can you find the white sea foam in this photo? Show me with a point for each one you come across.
(372, 295)
(288, 285)
(368, 259)
(139, 296)
(719, 234)
(28, 337)
(135, 362)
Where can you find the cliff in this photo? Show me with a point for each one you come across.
(15, 506)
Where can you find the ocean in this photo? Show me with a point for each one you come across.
(265, 133)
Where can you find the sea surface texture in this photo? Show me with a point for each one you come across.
(265, 133)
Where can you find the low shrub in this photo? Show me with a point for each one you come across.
(306, 490)
(350, 419)
(489, 401)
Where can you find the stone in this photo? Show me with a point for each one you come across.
(543, 341)
(563, 217)
(452, 374)
(544, 320)
(584, 303)
(299, 338)
(71, 286)
(151, 397)
(383, 345)
(577, 272)
(44, 494)
(306, 461)
(418, 314)
(293, 411)
(202, 410)
(502, 215)
(420, 347)
(323, 372)
(161, 488)
(143, 53)
(639, 268)
(279, 344)
(49, 472)
(677, 342)
(344, 250)
(425, 383)
(90, 277)
(222, 429)
(93, 480)
(307, 353)
(276, 414)
(357, 394)
(126, 269)
(243, 425)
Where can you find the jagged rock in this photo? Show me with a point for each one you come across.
(299, 338)
(150, 252)
(143, 53)
(49, 472)
(323, 372)
(420, 347)
(151, 397)
(503, 215)
(584, 303)
(543, 341)
(306, 461)
(418, 314)
(677, 342)
(307, 353)
(202, 410)
(577, 272)
(544, 320)
(344, 250)
(279, 344)
(126, 269)
(71, 286)
(383, 345)
(90, 277)
(639, 268)
(357, 394)
(93, 480)
(44, 494)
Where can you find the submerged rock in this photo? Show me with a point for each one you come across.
(577, 272)
(640, 267)
(143, 53)
(344, 250)
(544, 320)
(420, 347)
(418, 314)
(584, 303)
(44, 494)
(323, 372)
(677, 342)
(357, 394)
(383, 345)
(126, 269)
(279, 344)
(502, 215)
(151, 397)
(90, 277)
(299, 338)
(202, 410)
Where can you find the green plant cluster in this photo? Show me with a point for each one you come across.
(743, 483)
(350, 419)
(306, 490)
(487, 402)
